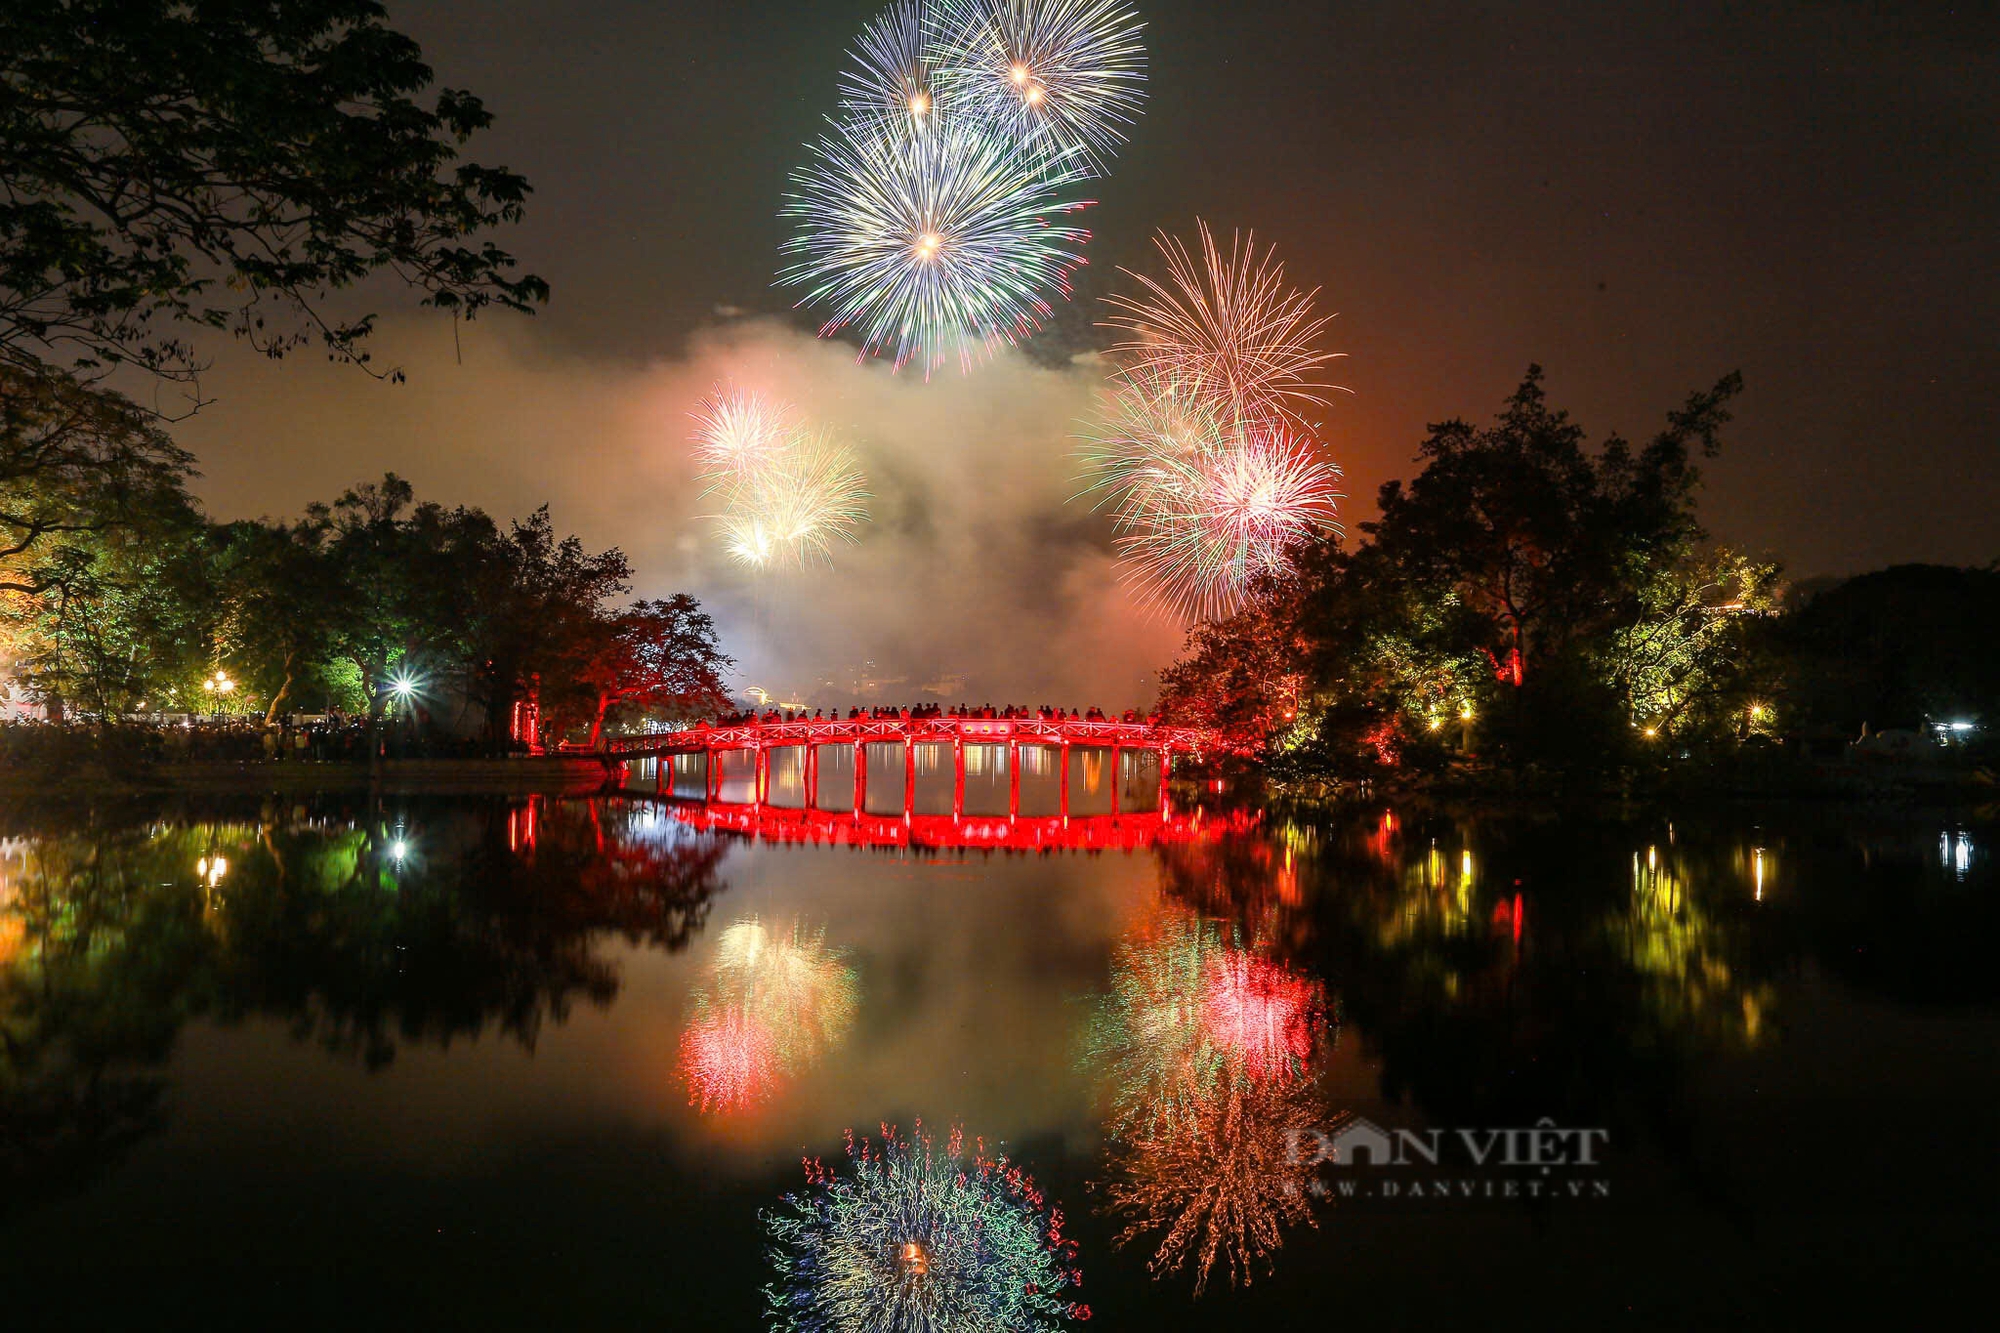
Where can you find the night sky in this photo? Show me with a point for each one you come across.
(1639, 198)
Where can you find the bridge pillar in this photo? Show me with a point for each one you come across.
(812, 776)
(909, 770)
(1013, 778)
(761, 784)
(709, 764)
(957, 778)
(1062, 798)
(860, 777)
(1166, 762)
(1117, 777)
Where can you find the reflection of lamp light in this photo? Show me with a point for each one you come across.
(210, 870)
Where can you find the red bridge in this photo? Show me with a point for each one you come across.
(1013, 767)
(919, 832)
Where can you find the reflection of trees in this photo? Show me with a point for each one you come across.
(1253, 881)
(1681, 956)
(359, 934)
(1509, 969)
(1203, 1048)
(775, 1001)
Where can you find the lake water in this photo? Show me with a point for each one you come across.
(454, 1063)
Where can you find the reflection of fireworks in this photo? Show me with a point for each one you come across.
(1203, 507)
(1062, 74)
(1223, 1188)
(1189, 1013)
(729, 1060)
(1262, 1013)
(788, 492)
(919, 1241)
(776, 1002)
(803, 990)
(1230, 331)
(933, 244)
(1203, 1051)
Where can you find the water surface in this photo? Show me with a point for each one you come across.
(533, 1064)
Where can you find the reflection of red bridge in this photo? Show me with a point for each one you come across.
(1078, 833)
(883, 766)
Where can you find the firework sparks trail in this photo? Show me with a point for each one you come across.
(1228, 329)
(1063, 76)
(917, 1240)
(935, 245)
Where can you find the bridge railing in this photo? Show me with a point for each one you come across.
(813, 735)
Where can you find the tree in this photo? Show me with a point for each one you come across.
(1548, 599)
(74, 460)
(662, 657)
(282, 602)
(120, 615)
(1544, 543)
(1245, 676)
(200, 162)
(394, 600)
(534, 609)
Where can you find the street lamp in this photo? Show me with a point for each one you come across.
(218, 686)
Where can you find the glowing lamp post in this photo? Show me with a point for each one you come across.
(219, 686)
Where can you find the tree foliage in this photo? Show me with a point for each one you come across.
(1525, 595)
(214, 164)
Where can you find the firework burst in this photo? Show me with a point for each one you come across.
(918, 1240)
(934, 245)
(1203, 506)
(1202, 451)
(1228, 329)
(737, 434)
(888, 82)
(1061, 76)
(788, 492)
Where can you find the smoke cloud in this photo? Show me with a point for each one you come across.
(977, 576)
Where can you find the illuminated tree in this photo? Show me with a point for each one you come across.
(660, 658)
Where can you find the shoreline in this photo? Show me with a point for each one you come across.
(527, 775)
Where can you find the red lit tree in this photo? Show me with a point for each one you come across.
(660, 657)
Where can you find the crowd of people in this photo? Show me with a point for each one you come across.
(923, 712)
